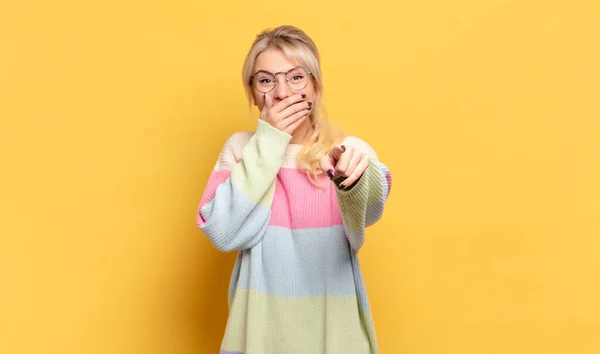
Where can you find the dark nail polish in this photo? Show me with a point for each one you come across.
(330, 173)
(341, 186)
(309, 105)
(343, 148)
(303, 96)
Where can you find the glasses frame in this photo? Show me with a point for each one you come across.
(277, 81)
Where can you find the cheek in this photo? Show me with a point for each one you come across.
(311, 92)
(259, 101)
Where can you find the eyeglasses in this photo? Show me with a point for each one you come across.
(265, 81)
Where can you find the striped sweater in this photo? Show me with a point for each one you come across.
(296, 287)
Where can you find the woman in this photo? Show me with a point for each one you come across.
(294, 201)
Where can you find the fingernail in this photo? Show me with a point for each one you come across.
(330, 173)
(309, 105)
(341, 186)
(343, 148)
(303, 96)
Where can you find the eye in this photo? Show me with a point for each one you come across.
(265, 81)
(297, 77)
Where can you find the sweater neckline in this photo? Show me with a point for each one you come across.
(293, 149)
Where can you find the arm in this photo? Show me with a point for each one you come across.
(236, 206)
(362, 205)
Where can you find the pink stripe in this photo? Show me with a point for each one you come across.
(298, 204)
(216, 178)
(388, 178)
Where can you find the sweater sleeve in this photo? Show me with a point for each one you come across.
(363, 204)
(235, 208)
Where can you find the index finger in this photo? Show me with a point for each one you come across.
(337, 151)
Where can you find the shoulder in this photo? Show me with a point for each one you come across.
(264, 131)
(238, 140)
(231, 152)
(361, 145)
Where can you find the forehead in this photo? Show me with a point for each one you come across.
(274, 60)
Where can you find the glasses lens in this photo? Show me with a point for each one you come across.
(264, 82)
(297, 79)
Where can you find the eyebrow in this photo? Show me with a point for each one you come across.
(275, 72)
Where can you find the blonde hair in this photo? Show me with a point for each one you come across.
(297, 45)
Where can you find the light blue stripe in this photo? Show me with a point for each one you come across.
(374, 212)
(361, 291)
(234, 222)
(384, 171)
(356, 238)
(299, 262)
(363, 304)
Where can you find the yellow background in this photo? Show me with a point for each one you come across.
(487, 112)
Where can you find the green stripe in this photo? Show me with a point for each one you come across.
(264, 324)
(261, 159)
(353, 202)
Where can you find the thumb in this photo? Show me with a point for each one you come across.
(268, 101)
(327, 166)
(266, 107)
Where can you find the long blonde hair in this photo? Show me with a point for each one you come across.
(296, 44)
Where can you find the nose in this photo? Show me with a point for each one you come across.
(282, 90)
